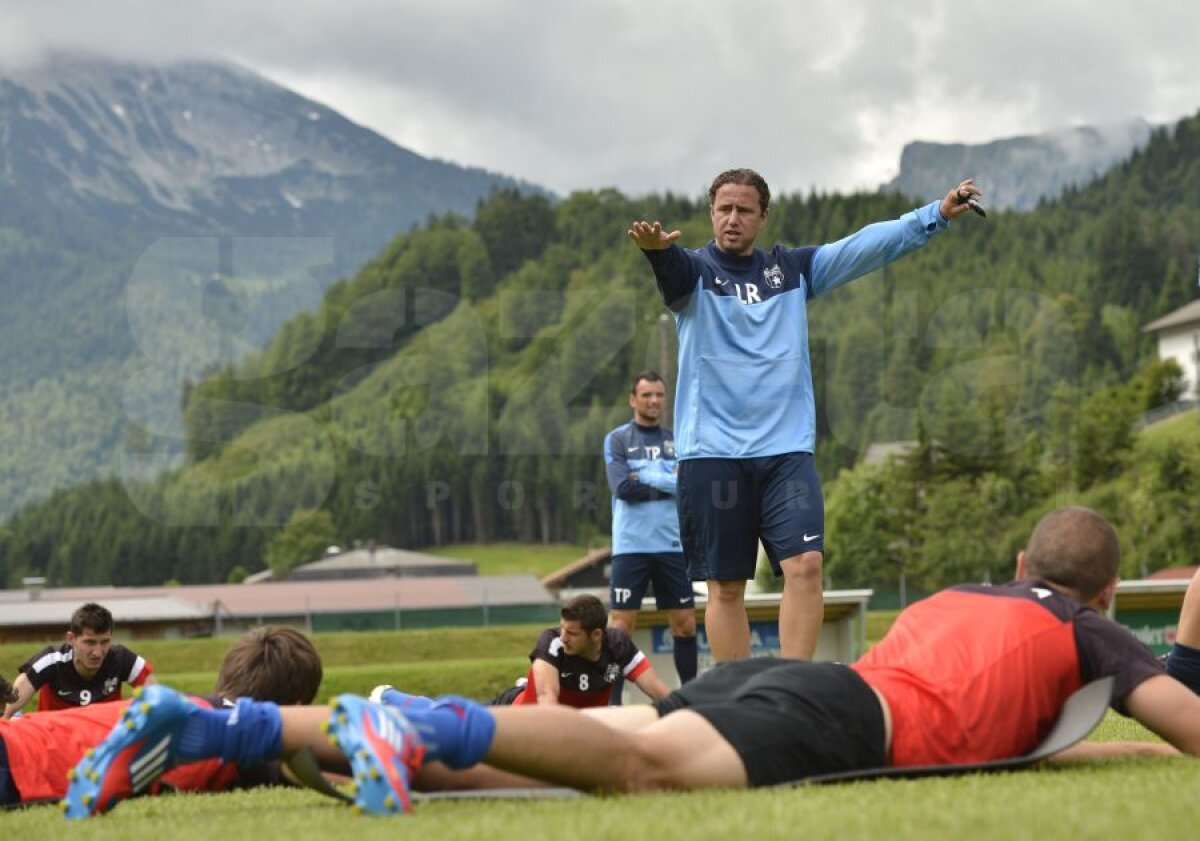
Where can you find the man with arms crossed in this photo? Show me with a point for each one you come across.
(639, 459)
(970, 674)
(87, 669)
(745, 417)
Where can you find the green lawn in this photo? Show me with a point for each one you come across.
(1152, 799)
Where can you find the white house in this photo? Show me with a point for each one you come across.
(1178, 335)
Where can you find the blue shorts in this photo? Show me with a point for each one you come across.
(1183, 664)
(727, 505)
(633, 570)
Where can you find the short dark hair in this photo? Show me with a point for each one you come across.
(587, 610)
(1076, 548)
(271, 663)
(648, 376)
(743, 178)
(91, 617)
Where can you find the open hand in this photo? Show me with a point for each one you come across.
(650, 236)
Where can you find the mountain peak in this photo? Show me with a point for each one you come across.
(130, 133)
(1018, 172)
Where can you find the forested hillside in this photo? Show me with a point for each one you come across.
(459, 387)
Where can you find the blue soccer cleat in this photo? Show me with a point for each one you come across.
(141, 746)
(384, 752)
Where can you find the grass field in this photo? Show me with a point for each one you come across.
(513, 558)
(1115, 799)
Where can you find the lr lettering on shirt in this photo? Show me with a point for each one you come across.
(747, 293)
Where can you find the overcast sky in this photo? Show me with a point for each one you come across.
(653, 95)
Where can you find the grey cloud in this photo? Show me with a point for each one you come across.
(653, 96)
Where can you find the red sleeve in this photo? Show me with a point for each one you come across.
(133, 668)
(145, 672)
(638, 667)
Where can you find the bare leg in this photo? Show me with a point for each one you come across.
(626, 620)
(725, 620)
(562, 746)
(682, 621)
(631, 717)
(302, 728)
(802, 610)
(435, 776)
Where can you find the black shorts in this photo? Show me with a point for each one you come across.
(788, 719)
(727, 505)
(1183, 664)
(632, 571)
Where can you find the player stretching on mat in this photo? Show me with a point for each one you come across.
(970, 674)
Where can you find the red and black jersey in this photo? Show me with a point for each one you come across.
(43, 747)
(976, 673)
(583, 682)
(60, 686)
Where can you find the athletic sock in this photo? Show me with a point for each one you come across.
(455, 731)
(248, 733)
(393, 697)
(685, 658)
(254, 733)
(203, 734)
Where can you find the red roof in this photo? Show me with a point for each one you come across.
(1173, 574)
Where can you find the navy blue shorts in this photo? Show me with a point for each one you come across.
(727, 505)
(632, 571)
(1183, 664)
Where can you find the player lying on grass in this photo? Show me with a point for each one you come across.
(970, 674)
(37, 751)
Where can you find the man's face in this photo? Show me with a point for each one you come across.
(576, 641)
(647, 402)
(736, 217)
(91, 647)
